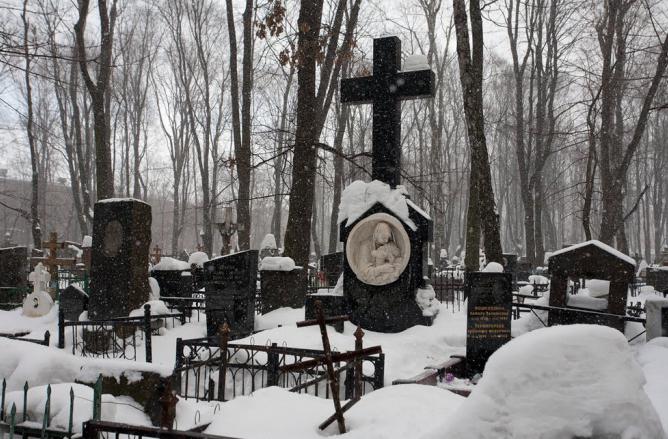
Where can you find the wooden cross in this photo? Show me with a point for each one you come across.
(51, 261)
(328, 359)
(385, 90)
(157, 254)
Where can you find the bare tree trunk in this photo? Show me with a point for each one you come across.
(342, 115)
(304, 158)
(470, 74)
(104, 172)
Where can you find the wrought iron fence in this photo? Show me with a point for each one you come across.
(107, 430)
(249, 367)
(114, 338)
(17, 422)
(192, 308)
(19, 336)
(449, 288)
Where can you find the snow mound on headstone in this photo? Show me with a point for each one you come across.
(277, 263)
(198, 258)
(560, 382)
(360, 196)
(268, 242)
(87, 241)
(493, 267)
(167, 264)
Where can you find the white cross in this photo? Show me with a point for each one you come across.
(40, 278)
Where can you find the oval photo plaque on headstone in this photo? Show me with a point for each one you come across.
(113, 238)
(378, 249)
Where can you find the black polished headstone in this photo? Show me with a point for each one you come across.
(174, 283)
(230, 287)
(120, 255)
(279, 289)
(488, 316)
(391, 307)
(332, 265)
(13, 267)
(73, 301)
(385, 90)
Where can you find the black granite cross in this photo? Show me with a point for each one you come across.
(385, 90)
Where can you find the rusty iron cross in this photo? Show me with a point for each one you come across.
(328, 359)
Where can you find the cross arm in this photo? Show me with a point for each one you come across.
(357, 90)
(417, 84)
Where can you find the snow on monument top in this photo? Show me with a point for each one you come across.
(120, 200)
(268, 242)
(360, 196)
(599, 244)
(167, 264)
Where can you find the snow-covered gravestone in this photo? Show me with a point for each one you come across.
(385, 257)
(279, 283)
(590, 260)
(386, 236)
(268, 246)
(38, 302)
(118, 274)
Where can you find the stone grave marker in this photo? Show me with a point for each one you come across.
(332, 265)
(658, 278)
(173, 277)
(120, 256)
(385, 251)
(14, 263)
(230, 287)
(488, 316)
(279, 283)
(657, 317)
(73, 301)
(38, 302)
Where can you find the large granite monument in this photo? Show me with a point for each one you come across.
(386, 236)
(120, 255)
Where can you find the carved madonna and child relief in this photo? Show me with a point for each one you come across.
(378, 249)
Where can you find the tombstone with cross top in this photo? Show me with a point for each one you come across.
(385, 273)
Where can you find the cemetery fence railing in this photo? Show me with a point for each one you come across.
(19, 336)
(249, 367)
(107, 430)
(118, 337)
(21, 422)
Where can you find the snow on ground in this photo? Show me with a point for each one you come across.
(559, 382)
(41, 365)
(407, 353)
(653, 358)
(405, 411)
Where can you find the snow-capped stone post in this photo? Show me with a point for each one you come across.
(386, 236)
(279, 283)
(118, 273)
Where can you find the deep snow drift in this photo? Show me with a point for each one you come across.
(559, 382)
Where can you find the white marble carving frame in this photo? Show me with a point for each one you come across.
(362, 234)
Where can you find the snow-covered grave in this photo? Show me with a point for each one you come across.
(568, 381)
